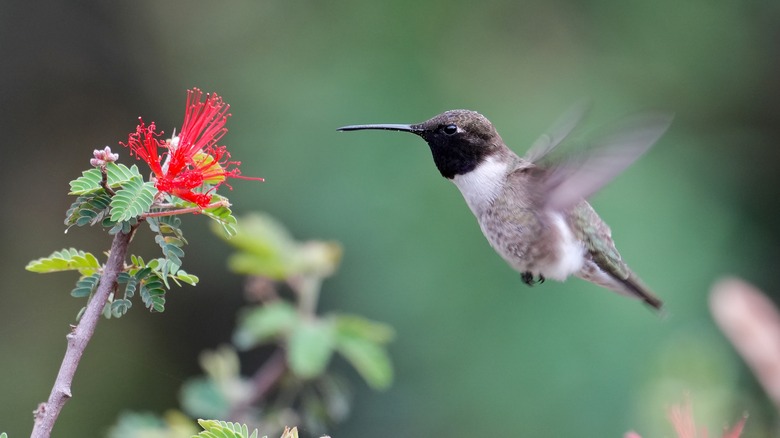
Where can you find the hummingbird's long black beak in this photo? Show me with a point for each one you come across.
(387, 127)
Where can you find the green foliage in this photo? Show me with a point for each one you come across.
(123, 227)
(88, 209)
(85, 286)
(171, 249)
(146, 425)
(312, 342)
(133, 199)
(69, 259)
(120, 307)
(150, 280)
(171, 240)
(261, 324)
(310, 347)
(166, 225)
(153, 292)
(158, 266)
(268, 250)
(221, 387)
(307, 341)
(201, 396)
(222, 215)
(117, 175)
(361, 342)
(222, 429)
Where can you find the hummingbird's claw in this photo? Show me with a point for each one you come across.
(528, 278)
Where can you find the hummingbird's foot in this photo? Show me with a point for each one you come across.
(528, 278)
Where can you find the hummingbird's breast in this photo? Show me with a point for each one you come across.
(531, 240)
(527, 236)
(509, 206)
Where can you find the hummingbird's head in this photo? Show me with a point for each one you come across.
(459, 139)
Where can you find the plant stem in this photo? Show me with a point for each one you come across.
(47, 413)
(262, 382)
(186, 210)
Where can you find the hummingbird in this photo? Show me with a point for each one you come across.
(533, 213)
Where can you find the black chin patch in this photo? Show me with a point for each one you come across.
(455, 161)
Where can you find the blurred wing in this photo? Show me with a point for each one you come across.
(557, 132)
(570, 182)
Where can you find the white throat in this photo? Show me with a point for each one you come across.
(481, 186)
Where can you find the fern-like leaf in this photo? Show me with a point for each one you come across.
(66, 260)
(119, 174)
(120, 307)
(224, 429)
(222, 215)
(88, 209)
(132, 200)
(130, 282)
(167, 225)
(123, 227)
(90, 180)
(85, 286)
(153, 293)
(171, 249)
(184, 277)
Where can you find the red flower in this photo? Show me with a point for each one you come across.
(193, 159)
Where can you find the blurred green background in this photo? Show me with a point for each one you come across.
(477, 353)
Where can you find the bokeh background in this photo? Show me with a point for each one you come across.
(477, 353)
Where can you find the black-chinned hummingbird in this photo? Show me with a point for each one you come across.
(536, 216)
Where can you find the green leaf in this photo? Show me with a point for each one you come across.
(130, 282)
(357, 326)
(120, 307)
(310, 347)
(361, 348)
(184, 277)
(223, 216)
(88, 209)
(68, 259)
(220, 429)
(262, 323)
(152, 293)
(86, 286)
(116, 227)
(132, 200)
(166, 268)
(117, 175)
(171, 249)
(202, 397)
(146, 425)
(166, 225)
(89, 181)
(267, 249)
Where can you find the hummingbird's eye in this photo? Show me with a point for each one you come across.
(450, 129)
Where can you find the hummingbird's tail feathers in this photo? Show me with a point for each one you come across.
(639, 290)
(630, 286)
(570, 182)
(558, 131)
